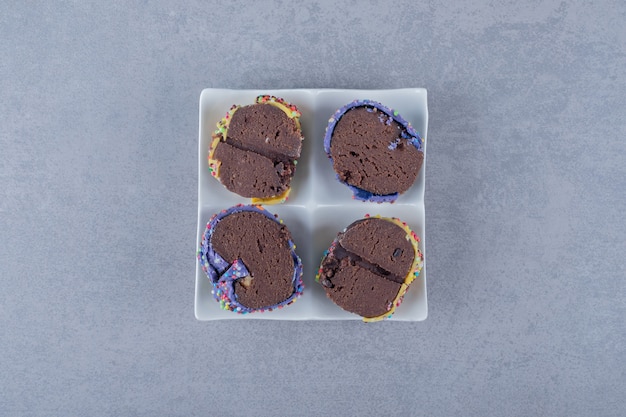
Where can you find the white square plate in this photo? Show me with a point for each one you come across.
(319, 206)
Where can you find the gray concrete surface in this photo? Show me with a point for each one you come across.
(525, 207)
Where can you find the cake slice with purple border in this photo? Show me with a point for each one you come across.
(374, 150)
(249, 256)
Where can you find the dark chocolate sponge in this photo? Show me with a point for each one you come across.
(263, 246)
(256, 148)
(266, 130)
(373, 150)
(362, 156)
(250, 174)
(366, 268)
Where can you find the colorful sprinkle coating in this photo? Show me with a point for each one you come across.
(414, 271)
(220, 134)
(387, 116)
(223, 274)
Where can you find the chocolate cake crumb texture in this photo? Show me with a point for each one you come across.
(250, 174)
(258, 149)
(370, 151)
(262, 245)
(266, 130)
(358, 289)
(381, 243)
(366, 266)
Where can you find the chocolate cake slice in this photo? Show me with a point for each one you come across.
(373, 150)
(250, 258)
(370, 265)
(255, 149)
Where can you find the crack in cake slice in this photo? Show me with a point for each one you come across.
(255, 149)
(370, 265)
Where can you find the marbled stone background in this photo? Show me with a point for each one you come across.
(525, 202)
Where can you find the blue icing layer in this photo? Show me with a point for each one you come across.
(236, 271)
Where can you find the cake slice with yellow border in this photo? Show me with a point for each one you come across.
(255, 149)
